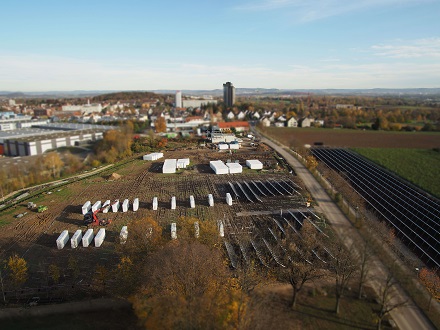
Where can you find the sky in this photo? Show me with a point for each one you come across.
(57, 45)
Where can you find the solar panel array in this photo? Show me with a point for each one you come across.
(414, 214)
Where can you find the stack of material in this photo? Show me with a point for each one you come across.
(228, 199)
(219, 167)
(182, 163)
(254, 164)
(115, 206)
(196, 229)
(223, 146)
(173, 203)
(106, 206)
(169, 166)
(87, 238)
(155, 203)
(136, 204)
(96, 206)
(234, 168)
(173, 231)
(192, 202)
(114, 176)
(62, 239)
(76, 239)
(123, 235)
(125, 205)
(221, 229)
(153, 156)
(234, 145)
(99, 238)
(86, 207)
(210, 200)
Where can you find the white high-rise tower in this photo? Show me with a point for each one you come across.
(178, 99)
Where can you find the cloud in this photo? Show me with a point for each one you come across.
(421, 48)
(312, 10)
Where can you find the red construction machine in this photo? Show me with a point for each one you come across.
(91, 218)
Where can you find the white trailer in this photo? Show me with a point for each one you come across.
(115, 206)
(210, 200)
(96, 206)
(123, 235)
(99, 238)
(192, 202)
(173, 231)
(173, 203)
(86, 207)
(87, 238)
(154, 203)
(62, 239)
(76, 239)
(136, 204)
(125, 205)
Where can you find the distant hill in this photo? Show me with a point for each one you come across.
(140, 94)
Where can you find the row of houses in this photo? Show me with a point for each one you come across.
(291, 122)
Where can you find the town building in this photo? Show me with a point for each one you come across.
(229, 94)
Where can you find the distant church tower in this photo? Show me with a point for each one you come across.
(229, 94)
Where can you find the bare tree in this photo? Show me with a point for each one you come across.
(364, 263)
(344, 267)
(388, 300)
(300, 266)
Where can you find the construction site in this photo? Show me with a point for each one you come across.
(89, 218)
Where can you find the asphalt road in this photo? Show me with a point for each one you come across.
(408, 317)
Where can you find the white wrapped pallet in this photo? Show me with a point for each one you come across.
(76, 239)
(192, 202)
(169, 166)
(153, 156)
(136, 204)
(115, 206)
(234, 168)
(106, 206)
(173, 231)
(218, 167)
(228, 199)
(125, 205)
(155, 203)
(196, 229)
(254, 164)
(87, 238)
(221, 229)
(96, 206)
(210, 200)
(86, 207)
(100, 237)
(173, 203)
(123, 235)
(62, 239)
(182, 163)
(223, 146)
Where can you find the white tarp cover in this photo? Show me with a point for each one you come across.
(234, 168)
(169, 166)
(123, 235)
(154, 203)
(210, 200)
(173, 203)
(86, 207)
(106, 206)
(99, 238)
(219, 167)
(228, 199)
(136, 204)
(76, 239)
(125, 205)
(96, 206)
(87, 238)
(192, 202)
(62, 239)
(115, 206)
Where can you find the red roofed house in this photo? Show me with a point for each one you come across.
(239, 126)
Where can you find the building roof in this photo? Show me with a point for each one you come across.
(233, 124)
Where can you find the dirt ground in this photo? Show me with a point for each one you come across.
(34, 235)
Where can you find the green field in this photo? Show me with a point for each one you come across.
(419, 166)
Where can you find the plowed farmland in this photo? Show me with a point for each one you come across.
(354, 138)
(34, 235)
